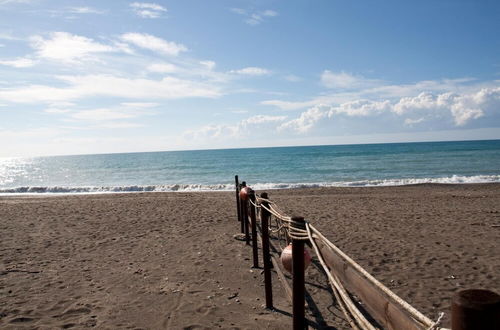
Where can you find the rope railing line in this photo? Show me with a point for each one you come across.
(342, 296)
(407, 307)
(298, 231)
(381, 303)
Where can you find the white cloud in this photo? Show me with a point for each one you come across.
(209, 65)
(153, 43)
(8, 35)
(360, 108)
(459, 109)
(239, 11)
(104, 114)
(306, 121)
(18, 63)
(108, 85)
(66, 47)
(289, 105)
(148, 9)
(255, 18)
(411, 122)
(162, 67)
(5, 2)
(142, 105)
(56, 110)
(462, 107)
(243, 128)
(85, 10)
(344, 80)
(373, 89)
(252, 71)
(269, 13)
(262, 119)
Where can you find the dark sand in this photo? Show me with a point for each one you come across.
(169, 260)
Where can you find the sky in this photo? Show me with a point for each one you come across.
(83, 77)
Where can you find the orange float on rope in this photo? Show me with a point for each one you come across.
(244, 192)
(286, 258)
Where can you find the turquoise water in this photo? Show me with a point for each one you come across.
(263, 168)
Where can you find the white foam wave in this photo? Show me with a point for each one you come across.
(455, 179)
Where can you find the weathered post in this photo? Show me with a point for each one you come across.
(298, 289)
(265, 251)
(254, 230)
(475, 309)
(242, 185)
(237, 197)
(245, 220)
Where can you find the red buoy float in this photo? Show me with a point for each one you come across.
(286, 258)
(244, 192)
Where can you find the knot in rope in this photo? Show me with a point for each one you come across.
(297, 229)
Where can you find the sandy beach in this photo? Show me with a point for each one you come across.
(170, 260)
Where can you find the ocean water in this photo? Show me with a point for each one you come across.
(262, 168)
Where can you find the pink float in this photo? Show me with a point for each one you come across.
(286, 258)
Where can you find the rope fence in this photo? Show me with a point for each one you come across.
(346, 277)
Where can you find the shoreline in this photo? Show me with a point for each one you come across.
(170, 259)
(258, 186)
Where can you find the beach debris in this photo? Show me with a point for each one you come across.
(234, 295)
(239, 237)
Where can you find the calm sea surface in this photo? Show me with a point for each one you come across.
(262, 168)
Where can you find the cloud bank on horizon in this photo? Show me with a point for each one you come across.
(145, 76)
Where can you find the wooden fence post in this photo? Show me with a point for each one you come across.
(245, 221)
(242, 225)
(254, 230)
(299, 322)
(266, 256)
(237, 197)
(475, 309)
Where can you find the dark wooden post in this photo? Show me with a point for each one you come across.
(475, 309)
(245, 221)
(254, 230)
(243, 184)
(266, 256)
(299, 321)
(237, 197)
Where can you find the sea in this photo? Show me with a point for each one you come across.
(366, 165)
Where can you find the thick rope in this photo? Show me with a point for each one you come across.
(337, 287)
(411, 310)
(296, 230)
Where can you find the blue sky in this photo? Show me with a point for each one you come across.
(123, 76)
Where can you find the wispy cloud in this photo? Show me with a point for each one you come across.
(252, 71)
(375, 89)
(112, 86)
(18, 62)
(162, 67)
(153, 43)
(67, 47)
(241, 129)
(5, 2)
(148, 9)
(345, 80)
(85, 10)
(254, 18)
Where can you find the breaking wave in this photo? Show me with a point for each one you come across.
(455, 179)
